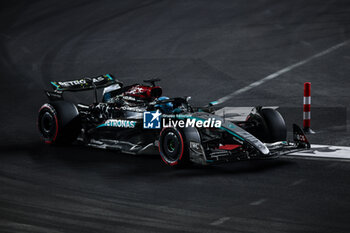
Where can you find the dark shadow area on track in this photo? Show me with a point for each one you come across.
(206, 49)
(79, 156)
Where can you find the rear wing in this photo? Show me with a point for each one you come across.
(85, 83)
(81, 85)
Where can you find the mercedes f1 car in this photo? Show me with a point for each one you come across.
(137, 118)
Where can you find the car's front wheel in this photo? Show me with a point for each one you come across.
(172, 148)
(269, 125)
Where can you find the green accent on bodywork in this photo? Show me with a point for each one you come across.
(58, 87)
(109, 76)
(214, 102)
(171, 145)
(230, 132)
(101, 125)
(177, 111)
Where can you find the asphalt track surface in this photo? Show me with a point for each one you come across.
(206, 49)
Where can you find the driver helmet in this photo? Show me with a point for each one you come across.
(166, 107)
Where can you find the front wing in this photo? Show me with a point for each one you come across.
(228, 153)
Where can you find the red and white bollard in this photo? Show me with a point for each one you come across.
(307, 108)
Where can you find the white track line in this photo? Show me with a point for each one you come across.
(279, 73)
(325, 151)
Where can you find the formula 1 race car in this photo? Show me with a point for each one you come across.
(137, 118)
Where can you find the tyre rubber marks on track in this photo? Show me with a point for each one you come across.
(279, 73)
(220, 221)
(258, 202)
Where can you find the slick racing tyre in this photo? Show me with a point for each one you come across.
(172, 148)
(59, 122)
(270, 125)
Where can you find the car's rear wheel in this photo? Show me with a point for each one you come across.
(48, 123)
(59, 122)
(172, 147)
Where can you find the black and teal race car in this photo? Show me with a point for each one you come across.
(137, 119)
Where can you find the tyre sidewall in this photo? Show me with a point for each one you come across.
(67, 119)
(180, 150)
(271, 126)
(275, 124)
(48, 108)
